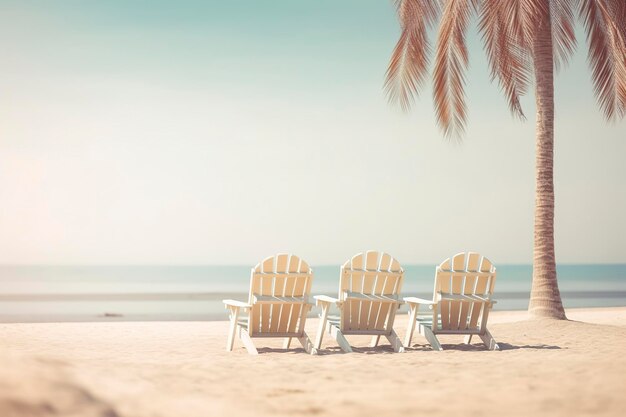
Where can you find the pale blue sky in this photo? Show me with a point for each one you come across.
(212, 132)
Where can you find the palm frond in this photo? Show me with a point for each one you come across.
(451, 60)
(505, 29)
(410, 58)
(606, 35)
(619, 18)
(619, 8)
(563, 36)
(529, 13)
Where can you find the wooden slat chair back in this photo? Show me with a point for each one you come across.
(462, 299)
(278, 303)
(283, 276)
(373, 274)
(463, 289)
(369, 288)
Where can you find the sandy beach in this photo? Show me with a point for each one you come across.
(555, 368)
(162, 162)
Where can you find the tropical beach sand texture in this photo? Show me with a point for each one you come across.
(556, 368)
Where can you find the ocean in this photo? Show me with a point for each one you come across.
(131, 293)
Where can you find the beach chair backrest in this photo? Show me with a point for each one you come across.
(371, 274)
(463, 289)
(281, 277)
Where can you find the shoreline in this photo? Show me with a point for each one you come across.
(116, 317)
(218, 296)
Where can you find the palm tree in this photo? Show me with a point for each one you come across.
(522, 38)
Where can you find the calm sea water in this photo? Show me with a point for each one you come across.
(83, 293)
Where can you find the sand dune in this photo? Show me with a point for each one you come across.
(546, 368)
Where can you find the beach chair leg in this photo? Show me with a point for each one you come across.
(323, 324)
(306, 344)
(411, 326)
(287, 343)
(341, 339)
(489, 341)
(396, 344)
(247, 341)
(468, 339)
(375, 341)
(234, 316)
(430, 336)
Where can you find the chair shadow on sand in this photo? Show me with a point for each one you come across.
(385, 349)
(334, 350)
(264, 350)
(367, 350)
(478, 347)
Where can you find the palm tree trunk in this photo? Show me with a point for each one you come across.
(545, 299)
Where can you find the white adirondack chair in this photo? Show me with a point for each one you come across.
(277, 306)
(461, 301)
(369, 289)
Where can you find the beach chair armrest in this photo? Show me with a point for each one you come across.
(387, 299)
(273, 299)
(324, 299)
(236, 304)
(417, 300)
(466, 297)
